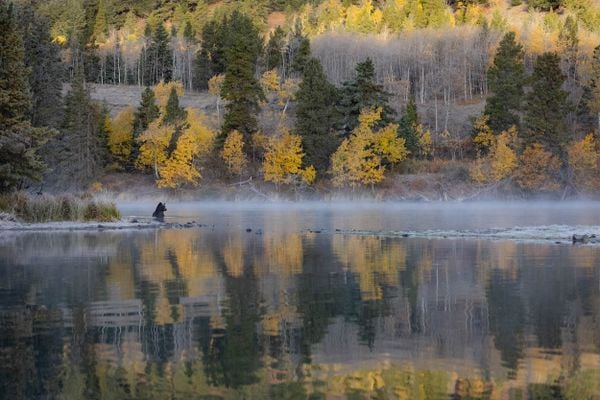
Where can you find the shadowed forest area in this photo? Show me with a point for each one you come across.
(401, 99)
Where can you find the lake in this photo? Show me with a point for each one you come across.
(307, 301)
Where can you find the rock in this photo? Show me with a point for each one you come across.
(405, 235)
(134, 221)
(580, 238)
(248, 230)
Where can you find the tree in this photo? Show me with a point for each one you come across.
(409, 124)
(302, 55)
(154, 144)
(363, 92)
(196, 140)
(241, 89)
(539, 170)
(316, 115)
(46, 71)
(360, 158)
(546, 106)
(146, 112)
(174, 114)
(274, 49)
(214, 87)
(500, 162)
(210, 60)
(159, 64)
(19, 141)
(590, 103)
(120, 136)
(283, 160)
(82, 136)
(506, 78)
(233, 153)
(583, 158)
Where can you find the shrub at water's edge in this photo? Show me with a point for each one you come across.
(53, 208)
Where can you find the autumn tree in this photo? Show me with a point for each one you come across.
(241, 89)
(583, 159)
(506, 78)
(214, 87)
(154, 145)
(539, 170)
(360, 158)
(120, 136)
(233, 153)
(283, 160)
(316, 115)
(181, 167)
(546, 106)
(500, 161)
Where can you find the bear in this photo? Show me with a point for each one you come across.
(159, 213)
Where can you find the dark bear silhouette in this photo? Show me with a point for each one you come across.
(159, 213)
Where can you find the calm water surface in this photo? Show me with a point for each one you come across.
(285, 313)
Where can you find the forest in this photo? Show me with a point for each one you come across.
(349, 96)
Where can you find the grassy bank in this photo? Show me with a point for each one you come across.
(35, 209)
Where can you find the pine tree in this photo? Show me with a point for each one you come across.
(241, 88)
(409, 126)
(19, 141)
(46, 70)
(100, 30)
(316, 116)
(506, 78)
(146, 113)
(274, 49)
(302, 55)
(589, 112)
(210, 60)
(174, 114)
(159, 64)
(363, 92)
(546, 106)
(83, 139)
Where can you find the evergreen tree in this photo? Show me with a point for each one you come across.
(589, 111)
(274, 49)
(146, 113)
(83, 139)
(546, 106)
(159, 60)
(316, 116)
(506, 78)
(408, 126)
(241, 88)
(19, 141)
(46, 70)
(174, 114)
(302, 55)
(210, 60)
(364, 92)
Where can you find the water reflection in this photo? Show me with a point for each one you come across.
(287, 315)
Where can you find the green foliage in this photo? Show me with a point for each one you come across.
(210, 60)
(174, 114)
(302, 55)
(274, 49)
(159, 58)
(589, 107)
(146, 112)
(506, 78)
(19, 141)
(241, 89)
(409, 126)
(316, 116)
(361, 93)
(546, 106)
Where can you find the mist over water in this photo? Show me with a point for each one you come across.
(295, 309)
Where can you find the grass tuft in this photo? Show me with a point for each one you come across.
(50, 208)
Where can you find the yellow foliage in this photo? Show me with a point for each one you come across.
(364, 18)
(425, 142)
(197, 139)
(153, 149)
(501, 160)
(162, 91)
(120, 135)
(233, 153)
(583, 159)
(283, 160)
(484, 138)
(215, 83)
(359, 158)
(270, 81)
(539, 169)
